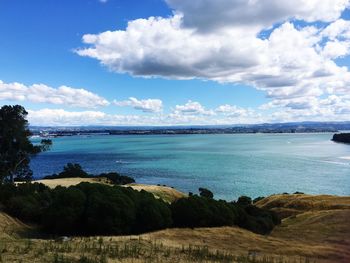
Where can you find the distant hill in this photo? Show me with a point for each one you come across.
(292, 127)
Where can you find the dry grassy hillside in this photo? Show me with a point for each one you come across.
(11, 228)
(318, 230)
(289, 205)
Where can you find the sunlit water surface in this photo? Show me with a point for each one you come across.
(229, 165)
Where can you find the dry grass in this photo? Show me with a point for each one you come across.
(300, 203)
(11, 228)
(319, 232)
(166, 193)
(66, 182)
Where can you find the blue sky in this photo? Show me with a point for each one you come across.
(200, 63)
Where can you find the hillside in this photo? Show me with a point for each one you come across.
(11, 228)
(317, 231)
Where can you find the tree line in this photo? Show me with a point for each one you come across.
(96, 209)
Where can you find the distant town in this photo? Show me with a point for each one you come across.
(295, 127)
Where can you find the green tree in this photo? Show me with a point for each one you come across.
(16, 149)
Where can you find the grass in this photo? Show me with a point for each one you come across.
(99, 250)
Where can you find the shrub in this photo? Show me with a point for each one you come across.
(205, 193)
(108, 210)
(196, 211)
(117, 179)
(152, 214)
(75, 170)
(86, 209)
(24, 207)
(244, 200)
(257, 220)
(64, 214)
(96, 209)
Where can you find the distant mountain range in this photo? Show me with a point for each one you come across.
(291, 127)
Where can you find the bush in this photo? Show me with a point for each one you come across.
(24, 201)
(24, 207)
(152, 214)
(117, 179)
(64, 213)
(257, 220)
(196, 211)
(75, 170)
(205, 193)
(109, 210)
(96, 209)
(69, 171)
(86, 209)
(244, 200)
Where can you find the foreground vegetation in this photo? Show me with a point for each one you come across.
(97, 209)
(132, 249)
(314, 229)
(74, 170)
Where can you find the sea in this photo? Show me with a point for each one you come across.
(230, 165)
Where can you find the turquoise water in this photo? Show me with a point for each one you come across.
(229, 165)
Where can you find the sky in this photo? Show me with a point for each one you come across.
(175, 62)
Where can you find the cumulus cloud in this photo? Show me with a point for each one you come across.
(192, 108)
(61, 117)
(148, 105)
(193, 113)
(235, 111)
(208, 15)
(190, 113)
(40, 93)
(295, 64)
(169, 48)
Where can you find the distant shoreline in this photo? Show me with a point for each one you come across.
(265, 128)
(67, 133)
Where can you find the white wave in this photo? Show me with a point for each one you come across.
(122, 162)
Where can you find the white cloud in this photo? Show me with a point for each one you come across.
(339, 28)
(61, 117)
(295, 64)
(208, 15)
(192, 108)
(234, 111)
(148, 105)
(40, 93)
(191, 113)
(333, 107)
(290, 61)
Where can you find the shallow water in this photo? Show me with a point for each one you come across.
(229, 165)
